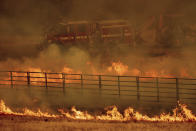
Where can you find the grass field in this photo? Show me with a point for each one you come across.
(19, 123)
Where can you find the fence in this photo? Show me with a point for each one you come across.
(155, 89)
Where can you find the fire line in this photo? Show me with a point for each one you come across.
(180, 114)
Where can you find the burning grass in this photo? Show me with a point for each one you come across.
(75, 120)
(180, 114)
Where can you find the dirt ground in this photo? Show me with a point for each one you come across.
(19, 123)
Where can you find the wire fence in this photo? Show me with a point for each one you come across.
(155, 89)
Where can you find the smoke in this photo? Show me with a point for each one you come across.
(55, 58)
(23, 24)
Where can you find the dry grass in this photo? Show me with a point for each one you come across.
(30, 124)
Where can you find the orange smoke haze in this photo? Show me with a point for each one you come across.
(76, 60)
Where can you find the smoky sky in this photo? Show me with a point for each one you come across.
(31, 17)
(40, 12)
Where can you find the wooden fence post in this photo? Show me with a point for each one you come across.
(11, 79)
(82, 84)
(100, 85)
(63, 80)
(157, 85)
(46, 81)
(138, 88)
(81, 78)
(177, 89)
(28, 79)
(118, 85)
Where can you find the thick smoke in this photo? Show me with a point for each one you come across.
(24, 21)
(23, 24)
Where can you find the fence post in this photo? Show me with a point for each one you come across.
(100, 84)
(82, 84)
(63, 80)
(46, 81)
(11, 79)
(81, 78)
(177, 89)
(138, 88)
(157, 85)
(28, 79)
(119, 85)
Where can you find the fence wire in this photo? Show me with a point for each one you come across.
(140, 88)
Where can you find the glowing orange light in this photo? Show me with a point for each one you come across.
(180, 114)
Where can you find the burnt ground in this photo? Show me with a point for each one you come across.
(20, 123)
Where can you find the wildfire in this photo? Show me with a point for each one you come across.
(180, 114)
(118, 67)
(6, 110)
(34, 69)
(77, 114)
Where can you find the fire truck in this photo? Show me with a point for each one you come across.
(159, 35)
(90, 32)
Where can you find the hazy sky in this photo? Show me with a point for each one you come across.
(31, 16)
(23, 21)
(36, 10)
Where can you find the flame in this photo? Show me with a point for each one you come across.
(33, 69)
(6, 110)
(118, 67)
(67, 70)
(77, 114)
(184, 73)
(37, 75)
(39, 113)
(155, 73)
(180, 114)
(136, 72)
(129, 114)
(122, 69)
(111, 114)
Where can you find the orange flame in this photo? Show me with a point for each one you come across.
(180, 114)
(118, 67)
(77, 114)
(6, 110)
